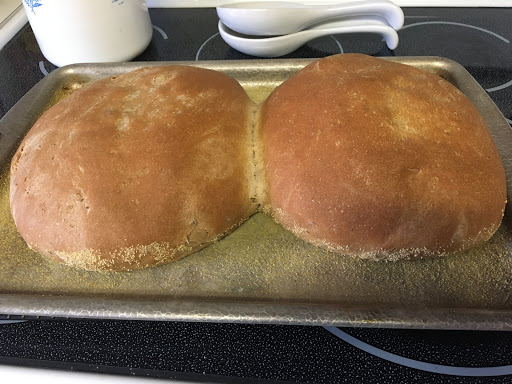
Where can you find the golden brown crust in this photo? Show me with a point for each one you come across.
(381, 160)
(135, 170)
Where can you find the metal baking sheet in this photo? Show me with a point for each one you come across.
(262, 273)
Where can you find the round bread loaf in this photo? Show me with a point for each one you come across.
(380, 160)
(136, 170)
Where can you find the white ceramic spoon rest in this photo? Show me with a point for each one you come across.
(282, 45)
(281, 18)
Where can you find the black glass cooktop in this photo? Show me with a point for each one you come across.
(477, 38)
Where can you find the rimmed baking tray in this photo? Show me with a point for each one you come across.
(261, 273)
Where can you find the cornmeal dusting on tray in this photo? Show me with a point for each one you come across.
(92, 260)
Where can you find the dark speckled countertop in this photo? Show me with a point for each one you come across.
(479, 39)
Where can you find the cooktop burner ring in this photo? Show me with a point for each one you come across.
(485, 371)
(457, 24)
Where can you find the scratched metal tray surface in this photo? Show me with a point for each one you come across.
(261, 273)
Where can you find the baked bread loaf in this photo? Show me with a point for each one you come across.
(380, 160)
(136, 170)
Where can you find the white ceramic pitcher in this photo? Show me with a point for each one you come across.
(88, 31)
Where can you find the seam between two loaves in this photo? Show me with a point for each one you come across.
(256, 177)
